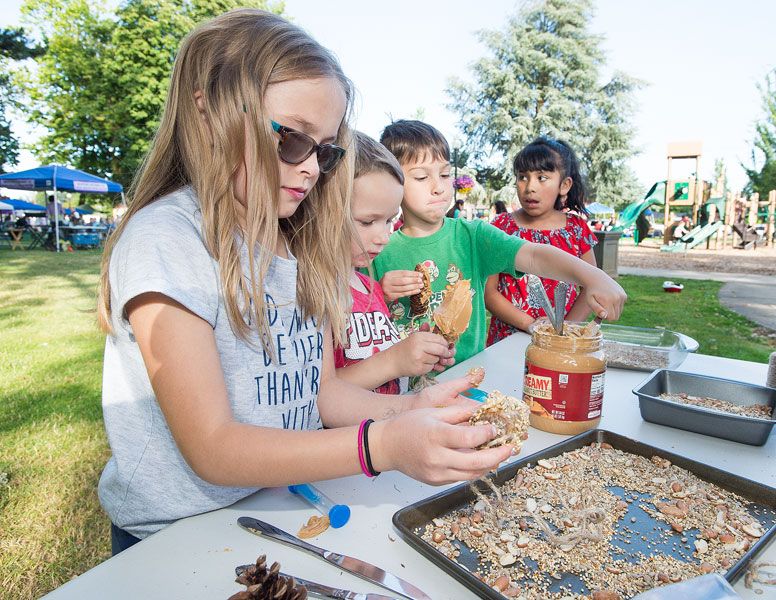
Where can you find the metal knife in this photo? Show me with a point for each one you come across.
(356, 566)
(560, 305)
(537, 298)
(326, 591)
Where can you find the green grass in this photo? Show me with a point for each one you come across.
(52, 442)
(696, 312)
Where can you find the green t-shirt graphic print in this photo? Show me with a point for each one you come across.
(463, 249)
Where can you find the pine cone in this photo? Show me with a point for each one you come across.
(268, 584)
(419, 301)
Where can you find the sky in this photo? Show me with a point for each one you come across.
(701, 61)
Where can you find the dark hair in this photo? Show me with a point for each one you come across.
(500, 206)
(410, 141)
(547, 154)
(372, 157)
(457, 205)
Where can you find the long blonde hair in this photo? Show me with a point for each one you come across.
(231, 60)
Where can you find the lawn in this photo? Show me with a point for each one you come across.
(695, 311)
(52, 442)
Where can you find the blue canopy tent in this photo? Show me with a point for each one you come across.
(57, 178)
(27, 207)
(84, 209)
(596, 208)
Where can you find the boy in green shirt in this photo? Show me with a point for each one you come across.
(456, 248)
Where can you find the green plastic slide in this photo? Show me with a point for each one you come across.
(628, 216)
(695, 237)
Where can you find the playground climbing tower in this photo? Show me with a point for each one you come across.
(683, 193)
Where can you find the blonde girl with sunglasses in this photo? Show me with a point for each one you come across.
(225, 286)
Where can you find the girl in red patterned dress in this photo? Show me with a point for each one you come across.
(551, 191)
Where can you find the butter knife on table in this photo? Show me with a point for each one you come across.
(356, 566)
(331, 592)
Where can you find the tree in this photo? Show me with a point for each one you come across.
(719, 188)
(14, 46)
(542, 78)
(100, 88)
(762, 179)
(493, 178)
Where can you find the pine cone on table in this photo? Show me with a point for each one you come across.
(268, 584)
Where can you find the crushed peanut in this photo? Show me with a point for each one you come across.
(613, 525)
(757, 411)
(630, 356)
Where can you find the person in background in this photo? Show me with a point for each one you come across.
(642, 227)
(453, 249)
(54, 209)
(373, 356)
(550, 190)
(456, 210)
(21, 220)
(682, 228)
(500, 207)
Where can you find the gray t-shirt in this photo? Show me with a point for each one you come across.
(147, 483)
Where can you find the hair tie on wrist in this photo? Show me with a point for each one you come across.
(362, 461)
(367, 455)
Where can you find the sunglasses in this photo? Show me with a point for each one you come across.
(296, 147)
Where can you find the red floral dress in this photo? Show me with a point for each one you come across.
(575, 238)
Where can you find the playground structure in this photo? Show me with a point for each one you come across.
(721, 219)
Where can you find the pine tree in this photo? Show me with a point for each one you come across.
(542, 78)
(762, 179)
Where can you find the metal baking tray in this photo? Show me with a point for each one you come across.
(410, 520)
(738, 428)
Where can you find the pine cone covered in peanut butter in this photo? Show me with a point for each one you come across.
(419, 301)
(268, 584)
(453, 314)
(508, 414)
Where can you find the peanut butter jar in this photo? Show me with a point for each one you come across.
(564, 377)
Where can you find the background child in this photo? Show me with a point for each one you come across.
(499, 207)
(373, 356)
(457, 248)
(548, 185)
(224, 285)
(456, 210)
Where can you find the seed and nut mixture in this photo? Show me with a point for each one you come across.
(627, 356)
(509, 415)
(758, 411)
(598, 522)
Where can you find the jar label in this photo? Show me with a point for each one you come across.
(563, 396)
